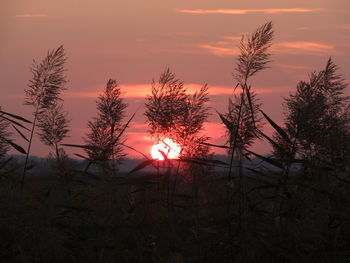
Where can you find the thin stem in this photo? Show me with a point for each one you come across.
(230, 170)
(236, 134)
(57, 152)
(30, 142)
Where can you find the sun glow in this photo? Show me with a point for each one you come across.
(170, 148)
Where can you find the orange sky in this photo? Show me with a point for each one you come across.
(134, 41)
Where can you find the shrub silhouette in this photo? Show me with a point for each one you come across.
(173, 113)
(4, 135)
(44, 89)
(317, 118)
(53, 124)
(105, 148)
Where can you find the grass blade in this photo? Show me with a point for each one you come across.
(227, 123)
(15, 122)
(16, 146)
(89, 147)
(15, 116)
(213, 145)
(277, 128)
(142, 165)
(272, 141)
(212, 162)
(274, 162)
(124, 128)
(81, 156)
(250, 103)
(20, 133)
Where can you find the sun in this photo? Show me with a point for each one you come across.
(167, 146)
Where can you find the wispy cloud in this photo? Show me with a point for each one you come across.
(292, 67)
(247, 11)
(229, 90)
(227, 46)
(32, 16)
(220, 51)
(302, 47)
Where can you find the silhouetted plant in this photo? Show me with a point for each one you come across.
(254, 57)
(103, 136)
(53, 124)
(17, 123)
(165, 106)
(173, 113)
(191, 124)
(242, 122)
(317, 118)
(247, 132)
(45, 87)
(4, 135)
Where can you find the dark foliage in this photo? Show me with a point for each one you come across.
(247, 131)
(173, 113)
(103, 137)
(317, 118)
(4, 135)
(44, 89)
(53, 124)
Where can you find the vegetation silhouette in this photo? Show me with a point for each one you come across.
(317, 118)
(4, 135)
(103, 135)
(43, 91)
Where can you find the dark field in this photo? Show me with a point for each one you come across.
(193, 216)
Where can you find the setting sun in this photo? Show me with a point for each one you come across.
(168, 146)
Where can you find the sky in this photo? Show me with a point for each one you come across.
(134, 41)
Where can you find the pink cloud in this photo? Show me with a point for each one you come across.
(247, 11)
(226, 46)
(32, 16)
(293, 67)
(220, 51)
(302, 47)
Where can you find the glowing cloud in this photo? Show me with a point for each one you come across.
(293, 67)
(32, 16)
(246, 11)
(229, 48)
(220, 51)
(225, 47)
(302, 47)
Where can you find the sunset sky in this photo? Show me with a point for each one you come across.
(133, 41)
